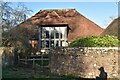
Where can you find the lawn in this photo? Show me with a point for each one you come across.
(29, 73)
(25, 72)
(21, 72)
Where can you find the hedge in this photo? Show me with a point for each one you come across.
(96, 41)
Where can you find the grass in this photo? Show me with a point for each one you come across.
(25, 73)
(28, 73)
(45, 62)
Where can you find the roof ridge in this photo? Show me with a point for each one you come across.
(58, 9)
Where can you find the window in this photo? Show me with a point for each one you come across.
(47, 43)
(46, 34)
(53, 37)
(57, 43)
(61, 35)
(52, 43)
(57, 35)
(60, 43)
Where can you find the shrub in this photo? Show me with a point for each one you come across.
(96, 41)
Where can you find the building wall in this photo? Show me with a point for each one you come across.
(85, 61)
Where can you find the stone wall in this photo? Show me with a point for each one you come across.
(84, 61)
(7, 56)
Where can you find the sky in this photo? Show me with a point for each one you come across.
(98, 12)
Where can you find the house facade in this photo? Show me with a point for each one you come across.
(58, 27)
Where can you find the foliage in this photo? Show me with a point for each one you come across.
(21, 40)
(96, 41)
(12, 16)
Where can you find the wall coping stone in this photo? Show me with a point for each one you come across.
(106, 48)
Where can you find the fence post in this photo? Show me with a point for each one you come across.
(42, 62)
(33, 62)
(25, 60)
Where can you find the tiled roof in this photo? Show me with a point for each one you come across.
(113, 28)
(80, 25)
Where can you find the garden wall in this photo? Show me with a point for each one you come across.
(85, 61)
(6, 56)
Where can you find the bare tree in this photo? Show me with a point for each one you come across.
(20, 13)
(11, 17)
(6, 15)
(1, 23)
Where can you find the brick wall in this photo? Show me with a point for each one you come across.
(84, 61)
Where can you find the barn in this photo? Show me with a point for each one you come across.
(57, 28)
(113, 28)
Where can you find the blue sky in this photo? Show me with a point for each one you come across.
(98, 12)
